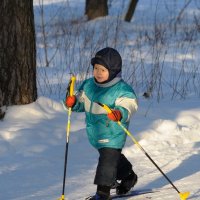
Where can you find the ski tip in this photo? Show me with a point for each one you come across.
(184, 195)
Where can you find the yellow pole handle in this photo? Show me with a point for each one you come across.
(120, 124)
(105, 107)
(71, 92)
(72, 84)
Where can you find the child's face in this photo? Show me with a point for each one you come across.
(101, 74)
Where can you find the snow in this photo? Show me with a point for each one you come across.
(33, 138)
(33, 141)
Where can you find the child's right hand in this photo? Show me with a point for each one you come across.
(70, 101)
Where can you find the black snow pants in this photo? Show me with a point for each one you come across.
(112, 166)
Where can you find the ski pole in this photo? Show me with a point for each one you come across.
(70, 90)
(183, 196)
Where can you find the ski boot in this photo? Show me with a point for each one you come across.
(126, 184)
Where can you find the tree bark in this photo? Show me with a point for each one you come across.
(131, 10)
(96, 8)
(17, 53)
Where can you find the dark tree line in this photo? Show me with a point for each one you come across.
(99, 8)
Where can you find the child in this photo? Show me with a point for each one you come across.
(107, 87)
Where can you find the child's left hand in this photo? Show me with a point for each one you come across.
(115, 115)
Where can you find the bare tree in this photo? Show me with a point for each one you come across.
(17, 53)
(131, 10)
(96, 8)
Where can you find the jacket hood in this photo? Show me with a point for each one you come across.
(110, 59)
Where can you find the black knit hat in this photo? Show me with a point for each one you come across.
(110, 59)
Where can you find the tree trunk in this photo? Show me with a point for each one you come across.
(131, 10)
(17, 53)
(96, 8)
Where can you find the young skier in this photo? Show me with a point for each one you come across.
(107, 87)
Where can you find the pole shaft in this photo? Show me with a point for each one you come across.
(161, 171)
(65, 167)
(148, 156)
(183, 196)
(71, 91)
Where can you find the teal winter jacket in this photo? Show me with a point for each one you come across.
(116, 94)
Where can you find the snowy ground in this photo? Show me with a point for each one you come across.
(32, 137)
(32, 143)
